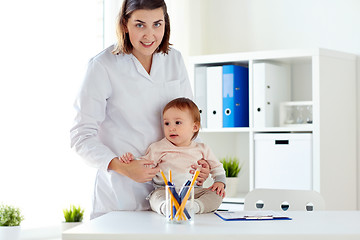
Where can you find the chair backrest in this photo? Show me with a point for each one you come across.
(281, 199)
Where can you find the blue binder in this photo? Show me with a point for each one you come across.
(235, 96)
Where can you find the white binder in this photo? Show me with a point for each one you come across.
(200, 93)
(271, 87)
(214, 97)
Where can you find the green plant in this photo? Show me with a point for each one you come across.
(10, 216)
(231, 166)
(73, 214)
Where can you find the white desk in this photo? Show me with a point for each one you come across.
(149, 225)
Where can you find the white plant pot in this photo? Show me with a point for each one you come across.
(10, 233)
(67, 225)
(231, 186)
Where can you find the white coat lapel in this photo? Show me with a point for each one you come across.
(140, 68)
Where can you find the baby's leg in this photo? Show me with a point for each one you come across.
(157, 200)
(207, 200)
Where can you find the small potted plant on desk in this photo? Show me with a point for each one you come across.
(10, 219)
(73, 217)
(232, 168)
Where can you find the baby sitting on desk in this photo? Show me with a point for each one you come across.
(177, 152)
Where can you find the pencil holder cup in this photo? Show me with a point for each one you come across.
(179, 204)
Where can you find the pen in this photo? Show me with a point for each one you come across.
(183, 203)
(183, 189)
(178, 199)
(176, 203)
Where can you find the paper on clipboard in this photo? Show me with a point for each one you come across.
(250, 215)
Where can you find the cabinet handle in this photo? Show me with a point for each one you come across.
(282, 142)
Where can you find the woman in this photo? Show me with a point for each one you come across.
(120, 103)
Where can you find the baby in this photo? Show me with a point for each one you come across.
(177, 152)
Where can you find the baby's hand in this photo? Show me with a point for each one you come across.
(219, 187)
(126, 158)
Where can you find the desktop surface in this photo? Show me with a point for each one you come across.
(149, 225)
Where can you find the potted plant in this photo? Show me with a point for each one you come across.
(10, 219)
(232, 168)
(73, 217)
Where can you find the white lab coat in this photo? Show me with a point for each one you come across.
(119, 110)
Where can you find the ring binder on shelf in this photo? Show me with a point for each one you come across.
(200, 94)
(271, 87)
(214, 99)
(235, 96)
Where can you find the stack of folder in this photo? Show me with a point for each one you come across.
(222, 95)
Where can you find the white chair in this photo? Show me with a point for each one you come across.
(283, 200)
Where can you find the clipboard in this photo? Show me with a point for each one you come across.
(250, 215)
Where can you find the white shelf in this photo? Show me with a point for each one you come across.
(290, 128)
(314, 79)
(237, 199)
(233, 203)
(224, 130)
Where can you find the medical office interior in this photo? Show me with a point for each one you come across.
(45, 46)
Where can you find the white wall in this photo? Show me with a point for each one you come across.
(251, 25)
(45, 47)
(111, 11)
(214, 27)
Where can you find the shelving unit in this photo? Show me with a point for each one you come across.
(324, 78)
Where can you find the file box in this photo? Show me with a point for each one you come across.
(283, 161)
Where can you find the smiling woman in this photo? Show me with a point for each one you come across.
(119, 106)
(146, 32)
(45, 46)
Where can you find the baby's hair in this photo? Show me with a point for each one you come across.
(183, 104)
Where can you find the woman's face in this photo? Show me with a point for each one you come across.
(146, 30)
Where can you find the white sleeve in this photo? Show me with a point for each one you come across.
(90, 107)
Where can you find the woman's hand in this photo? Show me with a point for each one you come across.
(139, 170)
(219, 187)
(204, 171)
(127, 157)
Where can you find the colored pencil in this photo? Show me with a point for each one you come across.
(177, 205)
(180, 211)
(171, 201)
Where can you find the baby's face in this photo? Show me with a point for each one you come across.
(179, 127)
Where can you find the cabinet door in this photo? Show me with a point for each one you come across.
(283, 161)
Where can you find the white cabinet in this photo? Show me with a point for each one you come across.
(323, 79)
(283, 161)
